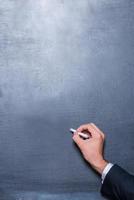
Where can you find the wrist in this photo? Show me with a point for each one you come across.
(100, 165)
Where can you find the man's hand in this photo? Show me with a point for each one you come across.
(92, 148)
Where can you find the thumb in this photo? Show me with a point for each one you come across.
(79, 141)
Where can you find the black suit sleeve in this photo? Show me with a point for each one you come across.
(118, 184)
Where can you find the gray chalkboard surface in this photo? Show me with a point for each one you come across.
(63, 63)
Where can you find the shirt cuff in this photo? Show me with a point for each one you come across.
(105, 171)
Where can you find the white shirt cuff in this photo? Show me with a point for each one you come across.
(105, 171)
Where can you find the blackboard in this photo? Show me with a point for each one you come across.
(63, 63)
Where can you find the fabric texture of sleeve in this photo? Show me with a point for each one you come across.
(105, 171)
(118, 184)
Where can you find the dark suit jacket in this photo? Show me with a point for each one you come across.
(118, 184)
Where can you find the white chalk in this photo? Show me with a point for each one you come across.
(84, 135)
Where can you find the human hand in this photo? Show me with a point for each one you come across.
(92, 148)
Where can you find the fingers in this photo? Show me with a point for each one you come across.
(97, 129)
(92, 129)
(83, 127)
(89, 128)
(78, 140)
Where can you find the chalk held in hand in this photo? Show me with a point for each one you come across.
(84, 135)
